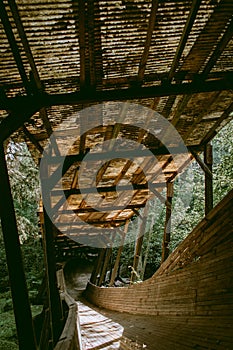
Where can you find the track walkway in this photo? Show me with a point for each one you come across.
(187, 304)
(151, 332)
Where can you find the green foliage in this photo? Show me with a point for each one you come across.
(7, 327)
(188, 205)
(223, 162)
(24, 178)
(8, 345)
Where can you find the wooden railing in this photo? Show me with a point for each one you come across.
(70, 338)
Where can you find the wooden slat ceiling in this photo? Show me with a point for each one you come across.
(60, 56)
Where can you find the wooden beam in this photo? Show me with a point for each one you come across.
(34, 71)
(82, 41)
(91, 41)
(161, 198)
(179, 109)
(208, 159)
(50, 263)
(69, 160)
(14, 46)
(203, 165)
(186, 31)
(108, 253)
(151, 26)
(22, 311)
(222, 83)
(212, 131)
(33, 140)
(101, 209)
(212, 60)
(121, 188)
(180, 48)
(227, 36)
(81, 150)
(122, 82)
(198, 119)
(25, 43)
(167, 228)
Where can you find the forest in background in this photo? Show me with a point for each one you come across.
(24, 177)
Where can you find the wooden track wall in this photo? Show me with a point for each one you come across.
(196, 279)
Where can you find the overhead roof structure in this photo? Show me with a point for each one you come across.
(60, 57)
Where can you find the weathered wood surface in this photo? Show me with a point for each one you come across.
(97, 330)
(70, 337)
(194, 286)
(172, 333)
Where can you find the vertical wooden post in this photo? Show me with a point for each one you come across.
(108, 252)
(118, 257)
(167, 228)
(50, 263)
(22, 311)
(139, 242)
(208, 159)
(97, 266)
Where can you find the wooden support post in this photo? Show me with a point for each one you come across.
(208, 159)
(108, 253)
(167, 228)
(139, 243)
(118, 257)
(50, 264)
(22, 311)
(96, 269)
